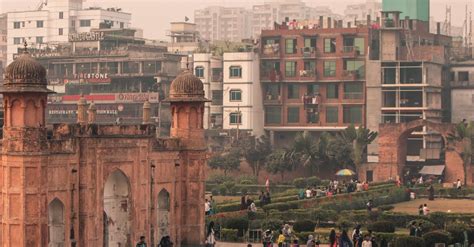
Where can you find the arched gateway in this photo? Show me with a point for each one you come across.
(393, 147)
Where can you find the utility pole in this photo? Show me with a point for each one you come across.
(239, 118)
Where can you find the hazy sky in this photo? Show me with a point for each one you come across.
(154, 16)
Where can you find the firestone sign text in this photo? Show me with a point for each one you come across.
(89, 36)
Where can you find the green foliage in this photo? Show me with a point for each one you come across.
(399, 219)
(382, 226)
(344, 224)
(439, 219)
(279, 162)
(272, 224)
(464, 135)
(239, 223)
(426, 225)
(431, 238)
(247, 179)
(218, 179)
(457, 229)
(229, 235)
(409, 241)
(303, 236)
(313, 181)
(299, 183)
(255, 150)
(310, 151)
(226, 162)
(304, 226)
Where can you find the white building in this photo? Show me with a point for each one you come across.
(184, 38)
(208, 68)
(221, 23)
(3, 44)
(242, 94)
(359, 12)
(462, 91)
(54, 20)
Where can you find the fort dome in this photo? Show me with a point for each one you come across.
(186, 85)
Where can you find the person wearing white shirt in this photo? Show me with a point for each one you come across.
(458, 184)
(308, 193)
(207, 207)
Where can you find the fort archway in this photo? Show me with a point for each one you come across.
(393, 147)
(117, 210)
(56, 223)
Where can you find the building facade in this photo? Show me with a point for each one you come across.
(313, 79)
(3, 44)
(87, 184)
(222, 24)
(359, 12)
(114, 70)
(55, 20)
(184, 38)
(462, 91)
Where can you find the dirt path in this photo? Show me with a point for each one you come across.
(438, 205)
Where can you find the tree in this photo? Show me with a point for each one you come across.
(359, 138)
(227, 161)
(310, 151)
(280, 161)
(463, 134)
(255, 150)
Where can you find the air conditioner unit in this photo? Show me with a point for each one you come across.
(223, 134)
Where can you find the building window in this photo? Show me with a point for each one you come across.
(293, 115)
(355, 67)
(235, 95)
(273, 115)
(332, 114)
(217, 97)
(16, 41)
(121, 24)
(272, 92)
(85, 23)
(309, 42)
(235, 118)
(16, 25)
(329, 68)
(330, 45)
(352, 114)
(235, 72)
(199, 72)
(290, 46)
(61, 15)
(290, 69)
(332, 91)
(463, 76)
(39, 40)
(60, 31)
(293, 91)
(39, 24)
(313, 89)
(359, 44)
(353, 91)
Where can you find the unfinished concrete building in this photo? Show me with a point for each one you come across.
(406, 75)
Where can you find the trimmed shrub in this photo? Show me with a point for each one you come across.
(386, 237)
(399, 219)
(238, 223)
(229, 235)
(218, 179)
(470, 235)
(247, 179)
(457, 230)
(439, 219)
(426, 225)
(434, 237)
(272, 224)
(410, 241)
(313, 181)
(382, 226)
(299, 183)
(385, 207)
(304, 226)
(344, 224)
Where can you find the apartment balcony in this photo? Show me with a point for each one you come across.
(216, 78)
(308, 75)
(271, 51)
(350, 52)
(462, 84)
(352, 75)
(271, 75)
(311, 101)
(272, 99)
(309, 52)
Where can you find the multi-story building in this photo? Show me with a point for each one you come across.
(56, 20)
(112, 69)
(221, 23)
(184, 37)
(358, 12)
(242, 95)
(462, 91)
(313, 79)
(3, 44)
(406, 79)
(208, 68)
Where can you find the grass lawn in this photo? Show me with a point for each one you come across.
(438, 205)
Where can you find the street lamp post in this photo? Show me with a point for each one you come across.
(71, 233)
(152, 204)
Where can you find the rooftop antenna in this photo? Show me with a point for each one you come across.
(447, 21)
(25, 50)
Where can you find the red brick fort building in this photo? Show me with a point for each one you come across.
(86, 184)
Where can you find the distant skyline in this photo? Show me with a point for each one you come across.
(154, 16)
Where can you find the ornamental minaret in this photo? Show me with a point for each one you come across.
(24, 154)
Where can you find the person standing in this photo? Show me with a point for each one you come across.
(142, 242)
(207, 207)
(431, 193)
(357, 236)
(311, 242)
(332, 238)
(458, 184)
(426, 210)
(367, 242)
(413, 229)
(267, 238)
(370, 205)
(345, 241)
(308, 193)
(420, 209)
(210, 235)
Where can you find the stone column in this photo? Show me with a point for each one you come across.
(92, 112)
(82, 110)
(146, 112)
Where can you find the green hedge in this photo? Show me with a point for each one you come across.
(409, 241)
(230, 235)
(303, 237)
(457, 231)
(382, 226)
(304, 226)
(231, 188)
(431, 238)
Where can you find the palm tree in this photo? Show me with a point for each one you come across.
(280, 161)
(360, 138)
(463, 134)
(310, 151)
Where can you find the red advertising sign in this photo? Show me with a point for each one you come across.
(94, 97)
(136, 97)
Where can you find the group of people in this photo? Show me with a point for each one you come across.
(164, 242)
(415, 229)
(246, 203)
(264, 198)
(209, 206)
(334, 187)
(423, 209)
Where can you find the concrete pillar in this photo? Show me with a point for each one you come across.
(91, 113)
(82, 110)
(146, 112)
